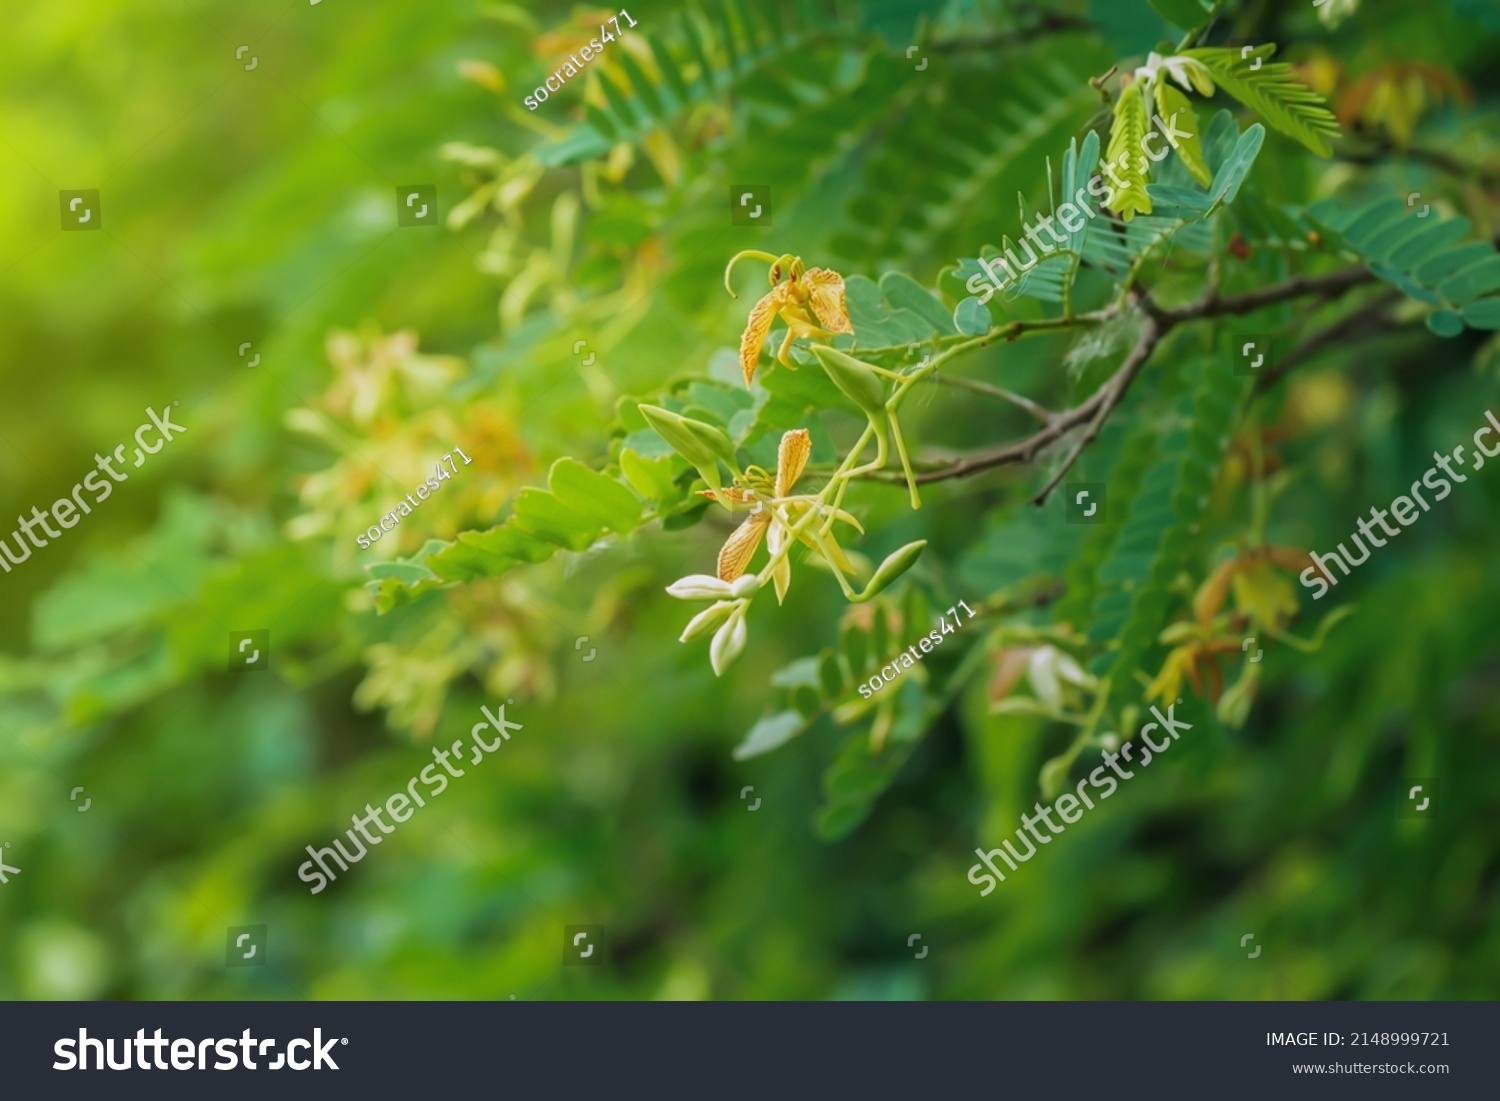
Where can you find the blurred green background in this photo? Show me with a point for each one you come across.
(259, 206)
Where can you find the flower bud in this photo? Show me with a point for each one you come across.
(699, 443)
(859, 384)
(746, 585)
(729, 642)
(895, 564)
(699, 586)
(705, 619)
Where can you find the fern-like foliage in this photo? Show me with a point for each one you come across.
(979, 149)
(712, 52)
(1421, 255)
(1272, 91)
(1133, 583)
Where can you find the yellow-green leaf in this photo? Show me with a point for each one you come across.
(1125, 156)
(1274, 92)
(1181, 125)
(651, 478)
(600, 498)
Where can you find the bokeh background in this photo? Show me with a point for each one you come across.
(259, 206)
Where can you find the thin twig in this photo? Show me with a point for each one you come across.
(1332, 284)
(1037, 411)
(1094, 410)
(1112, 392)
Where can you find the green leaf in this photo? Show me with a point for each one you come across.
(1472, 281)
(903, 292)
(878, 322)
(1125, 156)
(647, 100)
(651, 478)
(855, 645)
(408, 573)
(1187, 14)
(599, 498)
(541, 514)
(1135, 581)
(669, 71)
(971, 318)
(1482, 314)
(1232, 173)
(830, 676)
(1273, 92)
(505, 541)
(769, 733)
(1418, 255)
(1173, 107)
(1445, 323)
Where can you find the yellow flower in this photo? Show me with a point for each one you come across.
(810, 302)
(775, 511)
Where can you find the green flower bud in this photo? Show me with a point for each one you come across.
(896, 563)
(701, 444)
(860, 385)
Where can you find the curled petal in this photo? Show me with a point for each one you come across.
(840, 514)
(1043, 676)
(827, 547)
(734, 494)
(782, 574)
(740, 546)
(699, 586)
(791, 459)
(1215, 588)
(756, 330)
(826, 298)
(1069, 670)
(1010, 665)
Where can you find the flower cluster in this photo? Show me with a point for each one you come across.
(811, 303)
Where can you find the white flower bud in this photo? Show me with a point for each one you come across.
(745, 586)
(699, 586)
(706, 619)
(728, 643)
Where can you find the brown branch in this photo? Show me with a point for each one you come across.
(1365, 321)
(1091, 412)
(1112, 392)
(1328, 286)
(1159, 322)
(1382, 148)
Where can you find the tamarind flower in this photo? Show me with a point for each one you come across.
(810, 301)
(1264, 603)
(775, 511)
